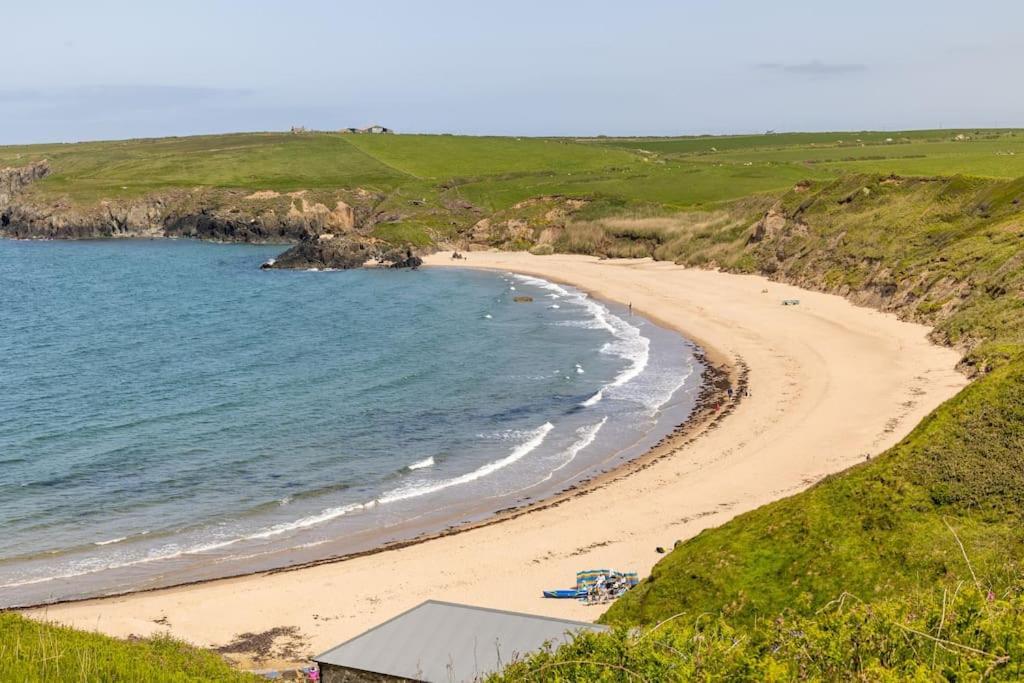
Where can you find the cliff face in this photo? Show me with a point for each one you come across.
(14, 180)
(205, 214)
(332, 230)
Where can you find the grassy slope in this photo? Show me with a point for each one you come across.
(498, 172)
(876, 530)
(31, 651)
(104, 170)
(848, 640)
(861, 577)
(944, 251)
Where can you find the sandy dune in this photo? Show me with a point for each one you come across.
(830, 384)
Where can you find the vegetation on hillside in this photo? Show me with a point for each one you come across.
(425, 183)
(905, 567)
(32, 651)
(953, 633)
(889, 527)
(946, 251)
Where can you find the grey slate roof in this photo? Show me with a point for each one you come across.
(444, 642)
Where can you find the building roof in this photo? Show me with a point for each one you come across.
(444, 641)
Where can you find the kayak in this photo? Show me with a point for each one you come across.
(567, 593)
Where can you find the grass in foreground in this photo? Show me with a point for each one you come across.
(32, 651)
(953, 633)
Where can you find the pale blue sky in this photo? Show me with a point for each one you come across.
(107, 69)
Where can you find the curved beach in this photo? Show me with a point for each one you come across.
(830, 384)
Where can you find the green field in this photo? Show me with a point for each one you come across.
(495, 172)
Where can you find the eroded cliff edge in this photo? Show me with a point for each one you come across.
(329, 229)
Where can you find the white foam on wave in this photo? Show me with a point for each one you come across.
(518, 453)
(628, 343)
(587, 436)
(110, 540)
(312, 520)
(426, 462)
(171, 551)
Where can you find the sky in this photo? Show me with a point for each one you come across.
(109, 70)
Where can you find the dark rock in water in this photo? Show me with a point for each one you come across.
(523, 299)
(397, 258)
(339, 253)
(343, 252)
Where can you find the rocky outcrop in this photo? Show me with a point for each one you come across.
(342, 253)
(530, 222)
(14, 180)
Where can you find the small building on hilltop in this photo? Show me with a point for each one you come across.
(444, 642)
(375, 129)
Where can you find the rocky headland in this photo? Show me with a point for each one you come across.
(329, 230)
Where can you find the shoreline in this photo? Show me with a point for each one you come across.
(712, 476)
(710, 406)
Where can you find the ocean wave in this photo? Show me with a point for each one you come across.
(628, 343)
(93, 565)
(586, 435)
(312, 520)
(110, 541)
(518, 453)
(426, 462)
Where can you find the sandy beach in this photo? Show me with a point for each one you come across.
(830, 385)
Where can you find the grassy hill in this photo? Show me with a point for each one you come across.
(31, 651)
(907, 567)
(678, 172)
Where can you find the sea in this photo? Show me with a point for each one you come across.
(171, 413)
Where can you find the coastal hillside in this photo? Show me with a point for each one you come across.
(433, 189)
(904, 568)
(32, 651)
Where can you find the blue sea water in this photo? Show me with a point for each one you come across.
(169, 412)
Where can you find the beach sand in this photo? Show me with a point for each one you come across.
(830, 384)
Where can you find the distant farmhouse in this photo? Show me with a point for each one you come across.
(375, 129)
